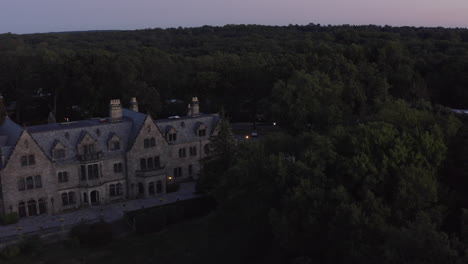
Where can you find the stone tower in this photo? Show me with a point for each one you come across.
(134, 104)
(115, 110)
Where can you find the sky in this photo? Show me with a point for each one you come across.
(37, 16)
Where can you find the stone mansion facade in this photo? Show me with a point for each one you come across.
(61, 166)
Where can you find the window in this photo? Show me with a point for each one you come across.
(88, 149)
(112, 190)
(149, 142)
(32, 209)
(143, 164)
(31, 160)
(119, 189)
(71, 197)
(24, 161)
(42, 206)
(68, 198)
(22, 209)
(27, 160)
(59, 154)
(172, 136)
(93, 172)
(150, 163)
(202, 132)
(182, 153)
(21, 184)
(64, 199)
(190, 169)
(115, 145)
(63, 176)
(151, 189)
(83, 172)
(178, 172)
(193, 151)
(38, 181)
(118, 167)
(29, 183)
(157, 163)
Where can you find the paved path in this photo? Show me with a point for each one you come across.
(109, 212)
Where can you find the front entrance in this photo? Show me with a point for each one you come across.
(94, 197)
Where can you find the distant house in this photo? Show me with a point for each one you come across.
(128, 155)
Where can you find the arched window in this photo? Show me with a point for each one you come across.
(71, 198)
(159, 187)
(22, 209)
(32, 210)
(64, 199)
(42, 206)
(151, 188)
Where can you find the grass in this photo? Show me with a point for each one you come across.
(202, 240)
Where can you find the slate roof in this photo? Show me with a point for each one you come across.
(10, 133)
(70, 134)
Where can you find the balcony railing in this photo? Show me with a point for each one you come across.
(90, 157)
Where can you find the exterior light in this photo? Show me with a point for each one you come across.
(247, 137)
(170, 178)
(274, 123)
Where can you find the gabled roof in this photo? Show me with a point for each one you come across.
(186, 126)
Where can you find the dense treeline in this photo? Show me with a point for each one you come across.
(236, 67)
(370, 167)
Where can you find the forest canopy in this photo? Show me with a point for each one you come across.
(369, 165)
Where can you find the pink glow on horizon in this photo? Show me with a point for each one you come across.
(27, 16)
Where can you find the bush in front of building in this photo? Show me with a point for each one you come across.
(92, 234)
(8, 219)
(10, 252)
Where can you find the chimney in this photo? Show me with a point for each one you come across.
(134, 104)
(195, 107)
(189, 110)
(115, 110)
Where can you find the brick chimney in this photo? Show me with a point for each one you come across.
(134, 104)
(115, 110)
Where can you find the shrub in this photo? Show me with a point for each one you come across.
(94, 234)
(8, 219)
(11, 252)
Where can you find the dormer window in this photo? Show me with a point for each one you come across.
(114, 142)
(59, 154)
(58, 151)
(114, 145)
(88, 149)
(171, 134)
(201, 130)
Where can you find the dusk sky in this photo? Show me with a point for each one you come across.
(31, 16)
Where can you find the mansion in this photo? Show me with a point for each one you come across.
(47, 169)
